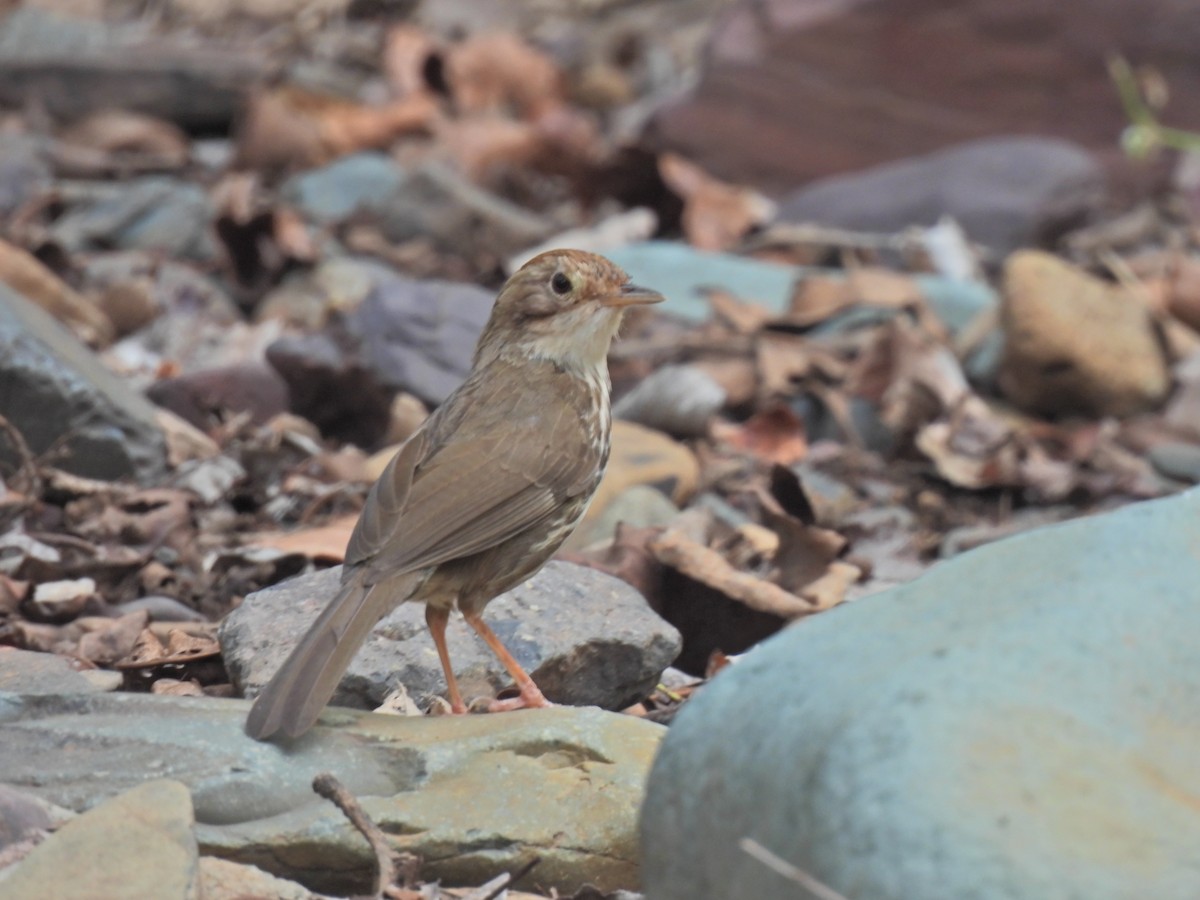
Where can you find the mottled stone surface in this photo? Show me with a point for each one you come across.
(474, 795)
(588, 639)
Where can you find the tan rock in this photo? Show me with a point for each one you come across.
(137, 846)
(221, 879)
(1075, 344)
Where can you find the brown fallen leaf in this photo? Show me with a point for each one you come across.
(180, 647)
(775, 435)
(289, 128)
(112, 639)
(172, 687)
(716, 214)
(709, 567)
(326, 543)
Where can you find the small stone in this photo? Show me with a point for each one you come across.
(678, 400)
(364, 182)
(63, 599)
(1177, 459)
(1075, 344)
(207, 396)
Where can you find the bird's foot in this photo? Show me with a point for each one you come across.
(529, 698)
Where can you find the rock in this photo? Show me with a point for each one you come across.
(1006, 192)
(153, 213)
(680, 400)
(221, 879)
(588, 639)
(21, 816)
(641, 456)
(474, 795)
(206, 397)
(684, 275)
(888, 81)
(77, 65)
(330, 386)
(419, 335)
(404, 334)
(1176, 459)
(1012, 724)
(1075, 344)
(361, 182)
(441, 204)
(56, 393)
(24, 171)
(136, 846)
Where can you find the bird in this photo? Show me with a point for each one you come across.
(484, 493)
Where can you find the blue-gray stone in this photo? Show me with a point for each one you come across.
(683, 274)
(363, 181)
(1020, 722)
(58, 395)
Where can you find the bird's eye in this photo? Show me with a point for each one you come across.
(560, 283)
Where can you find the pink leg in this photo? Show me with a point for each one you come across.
(436, 618)
(531, 696)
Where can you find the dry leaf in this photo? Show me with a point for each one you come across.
(26, 275)
(289, 128)
(774, 435)
(499, 72)
(326, 543)
(710, 568)
(716, 215)
(113, 639)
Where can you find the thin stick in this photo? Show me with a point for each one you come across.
(335, 792)
(26, 465)
(787, 870)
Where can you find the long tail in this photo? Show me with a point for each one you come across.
(297, 693)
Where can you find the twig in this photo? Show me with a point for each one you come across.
(26, 465)
(327, 785)
(787, 870)
(492, 889)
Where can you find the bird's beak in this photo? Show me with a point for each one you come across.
(632, 295)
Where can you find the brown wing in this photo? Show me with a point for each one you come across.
(489, 477)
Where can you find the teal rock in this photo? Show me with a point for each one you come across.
(1019, 722)
(362, 181)
(683, 274)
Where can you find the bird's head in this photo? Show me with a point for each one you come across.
(564, 306)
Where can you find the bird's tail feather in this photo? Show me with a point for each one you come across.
(296, 694)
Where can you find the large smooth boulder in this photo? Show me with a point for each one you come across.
(1022, 721)
(473, 795)
(588, 639)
